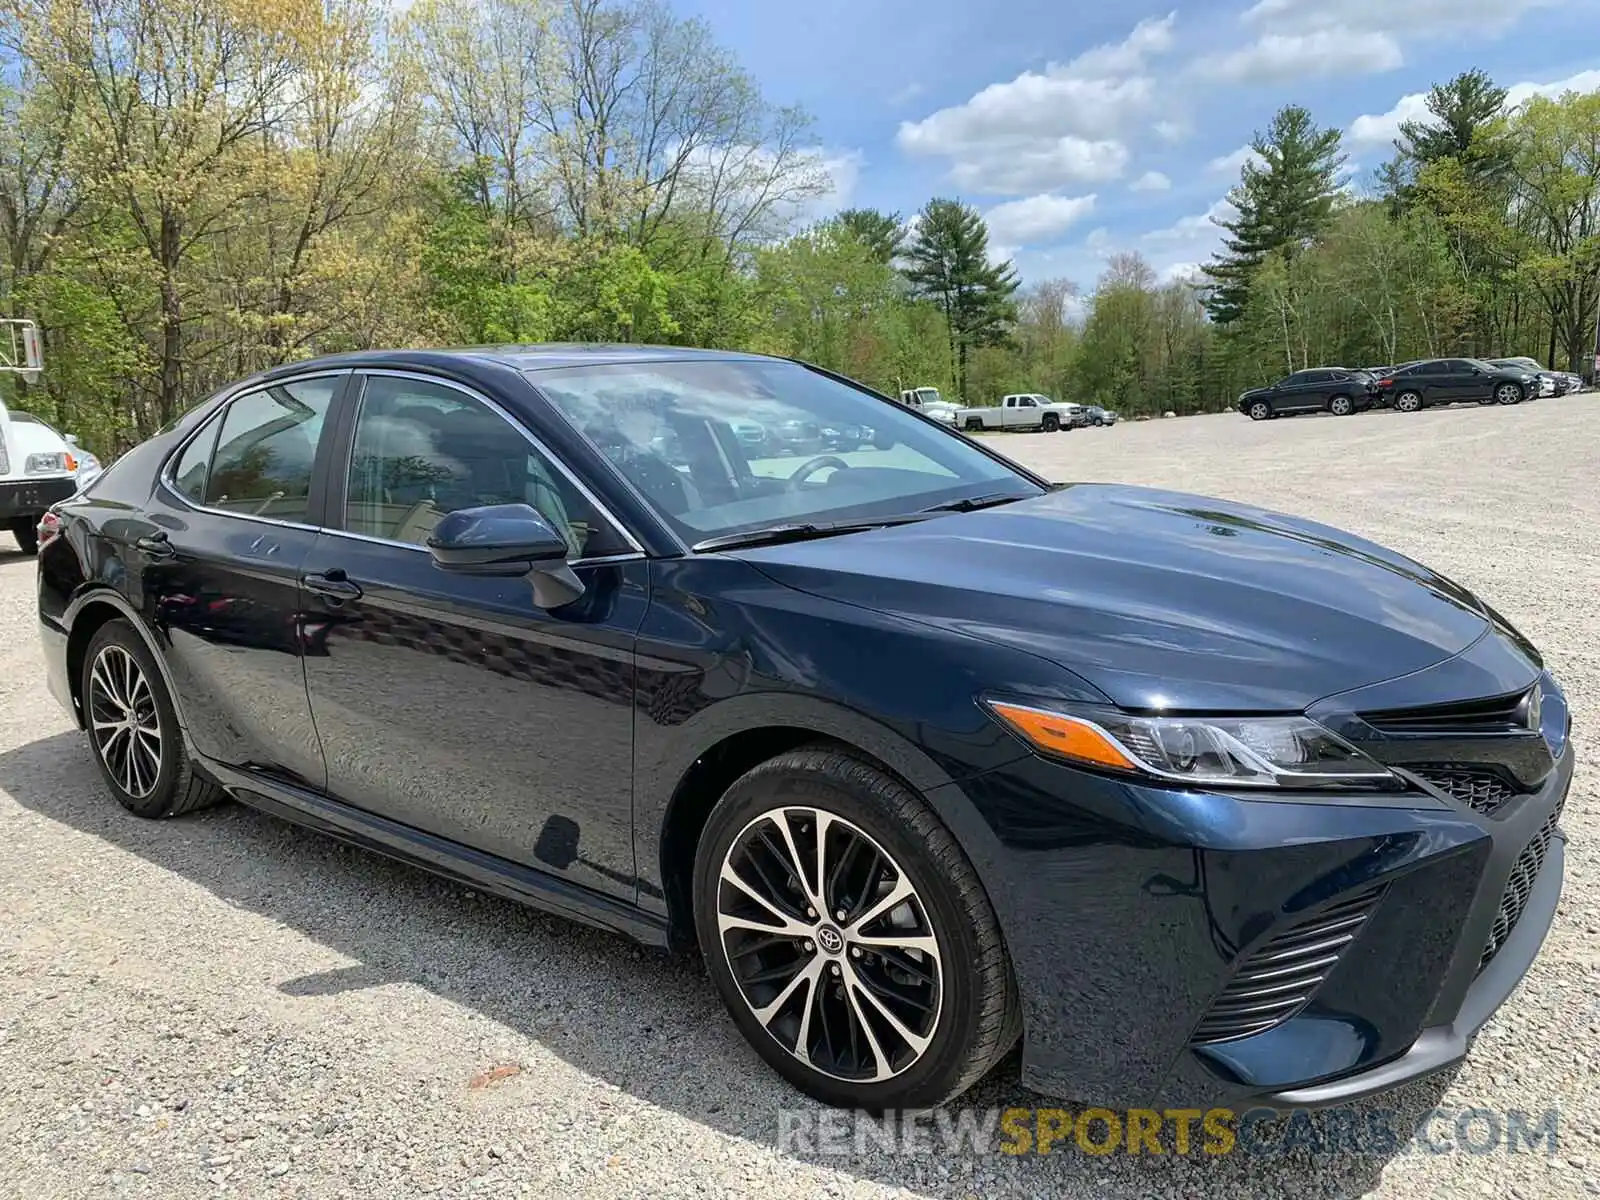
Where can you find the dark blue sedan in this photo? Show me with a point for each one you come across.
(925, 754)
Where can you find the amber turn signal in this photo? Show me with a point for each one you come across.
(1068, 737)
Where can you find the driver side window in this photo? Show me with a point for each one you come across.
(424, 450)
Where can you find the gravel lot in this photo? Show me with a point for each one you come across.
(226, 1005)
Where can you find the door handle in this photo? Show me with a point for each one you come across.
(332, 584)
(156, 544)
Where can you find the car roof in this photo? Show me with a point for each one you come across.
(520, 357)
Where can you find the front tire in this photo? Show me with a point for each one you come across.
(133, 728)
(1260, 410)
(26, 531)
(849, 936)
(974, 424)
(1408, 402)
(1050, 423)
(1341, 406)
(1508, 393)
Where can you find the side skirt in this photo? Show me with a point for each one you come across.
(487, 872)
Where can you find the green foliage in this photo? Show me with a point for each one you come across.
(948, 262)
(1281, 205)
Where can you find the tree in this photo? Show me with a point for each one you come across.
(1465, 126)
(948, 262)
(1280, 205)
(882, 233)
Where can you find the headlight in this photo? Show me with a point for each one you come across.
(1257, 752)
(44, 464)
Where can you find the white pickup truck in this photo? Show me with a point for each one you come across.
(38, 466)
(927, 401)
(1024, 410)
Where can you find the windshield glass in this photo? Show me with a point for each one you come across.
(719, 447)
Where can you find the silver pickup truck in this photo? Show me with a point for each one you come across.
(1024, 410)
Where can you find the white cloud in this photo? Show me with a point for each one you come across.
(1068, 160)
(1232, 164)
(1048, 128)
(1189, 272)
(1583, 81)
(1196, 229)
(1381, 129)
(1038, 218)
(1376, 129)
(1391, 16)
(907, 94)
(1172, 130)
(1098, 241)
(1285, 57)
(999, 254)
(842, 172)
(1151, 181)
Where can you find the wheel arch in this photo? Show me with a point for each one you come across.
(87, 613)
(774, 726)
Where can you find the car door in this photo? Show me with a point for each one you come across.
(1469, 381)
(1021, 413)
(232, 521)
(452, 703)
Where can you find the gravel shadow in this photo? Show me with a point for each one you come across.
(647, 1023)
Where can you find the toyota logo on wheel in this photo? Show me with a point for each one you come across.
(830, 939)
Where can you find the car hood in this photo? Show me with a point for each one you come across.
(1158, 599)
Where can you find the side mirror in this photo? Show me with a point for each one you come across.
(507, 540)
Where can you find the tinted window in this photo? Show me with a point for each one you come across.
(423, 450)
(189, 472)
(267, 447)
(669, 428)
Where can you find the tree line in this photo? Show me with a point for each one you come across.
(191, 191)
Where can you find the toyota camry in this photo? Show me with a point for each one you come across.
(923, 753)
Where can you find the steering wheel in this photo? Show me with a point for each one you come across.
(812, 466)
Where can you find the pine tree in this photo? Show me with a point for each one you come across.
(1282, 203)
(948, 262)
(1464, 111)
(882, 233)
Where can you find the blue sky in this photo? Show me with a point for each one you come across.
(1086, 129)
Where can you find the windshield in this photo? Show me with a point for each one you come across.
(719, 447)
(928, 395)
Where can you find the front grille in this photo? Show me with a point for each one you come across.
(1498, 714)
(1484, 792)
(1520, 886)
(1277, 980)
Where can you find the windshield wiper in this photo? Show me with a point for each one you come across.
(972, 503)
(799, 531)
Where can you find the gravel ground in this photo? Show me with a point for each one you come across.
(226, 1005)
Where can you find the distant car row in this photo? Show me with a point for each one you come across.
(1018, 411)
(1406, 387)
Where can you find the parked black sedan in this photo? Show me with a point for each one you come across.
(1202, 802)
(1434, 381)
(1339, 390)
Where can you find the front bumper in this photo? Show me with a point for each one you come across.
(1128, 909)
(32, 497)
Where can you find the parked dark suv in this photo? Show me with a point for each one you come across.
(1454, 380)
(1339, 390)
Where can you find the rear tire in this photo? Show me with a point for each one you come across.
(943, 955)
(26, 531)
(133, 728)
(1408, 402)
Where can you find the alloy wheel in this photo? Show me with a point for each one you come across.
(1408, 402)
(124, 721)
(1259, 411)
(830, 944)
(1508, 393)
(1341, 406)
